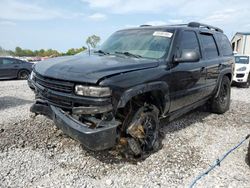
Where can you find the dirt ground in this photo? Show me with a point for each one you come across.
(34, 153)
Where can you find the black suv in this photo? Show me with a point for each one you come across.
(115, 96)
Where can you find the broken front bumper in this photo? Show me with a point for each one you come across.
(100, 138)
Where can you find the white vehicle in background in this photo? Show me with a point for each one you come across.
(241, 71)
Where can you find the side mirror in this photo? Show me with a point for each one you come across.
(188, 56)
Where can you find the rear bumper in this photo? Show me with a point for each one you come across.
(95, 139)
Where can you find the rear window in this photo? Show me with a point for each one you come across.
(225, 46)
(242, 59)
(209, 46)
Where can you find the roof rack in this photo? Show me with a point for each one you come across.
(145, 25)
(201, 25)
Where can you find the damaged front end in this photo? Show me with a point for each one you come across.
(87, 119)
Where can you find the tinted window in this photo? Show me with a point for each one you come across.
(209, 46)
(189, 41)
(8, 61)
(225, 45)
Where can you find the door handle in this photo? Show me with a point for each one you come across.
(16, 66)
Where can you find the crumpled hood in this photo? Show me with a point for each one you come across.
(90, 69)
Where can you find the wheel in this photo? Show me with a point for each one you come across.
(246, 85)
(23, 75)
(221, 103)
(143, 131)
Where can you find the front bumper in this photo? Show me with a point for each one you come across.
(240, 77)
(100, 138)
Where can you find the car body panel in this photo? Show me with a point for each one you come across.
(90, 68)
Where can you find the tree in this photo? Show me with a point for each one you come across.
(18, 51)
(92, 41)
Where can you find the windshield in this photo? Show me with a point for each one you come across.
(242, 59)
(143, 43)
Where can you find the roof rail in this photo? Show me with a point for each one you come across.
(145, 25)
(197, 24)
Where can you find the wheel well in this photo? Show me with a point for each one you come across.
(229, 75)
(155, 97)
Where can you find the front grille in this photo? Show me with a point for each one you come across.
(240, 75)
(53, 84)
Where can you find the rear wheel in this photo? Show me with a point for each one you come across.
(23, 75)
(143, 133)
(221, 103)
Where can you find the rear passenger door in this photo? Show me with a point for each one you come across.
(210, 55)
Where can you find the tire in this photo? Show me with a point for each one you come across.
(221, 103)
(246, 85)
(143, 131)
(23, 75)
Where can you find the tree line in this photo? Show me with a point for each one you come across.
(91, 41)
(41, 53)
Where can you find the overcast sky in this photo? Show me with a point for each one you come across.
(63, 24)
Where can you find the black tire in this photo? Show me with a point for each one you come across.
(221, 103)
(246, 85)
(23, 75)
(148, 139)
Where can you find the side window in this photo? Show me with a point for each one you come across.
(1, 61)
(226, 48)
(209, 46)
(8, 61)
(189, 41)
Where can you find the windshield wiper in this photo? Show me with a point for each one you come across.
(129, 54)
(101, 52)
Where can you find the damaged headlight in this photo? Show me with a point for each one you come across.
(32, 74)
(92, 91)
(242, 69)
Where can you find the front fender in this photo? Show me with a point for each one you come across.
(143, 88)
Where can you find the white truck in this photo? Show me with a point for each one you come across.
(241, 71)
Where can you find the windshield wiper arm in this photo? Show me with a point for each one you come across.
(129, 54)
(101, 52)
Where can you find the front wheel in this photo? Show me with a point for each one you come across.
(23, 75)
(247, 84)
(221, 103)
(143, 131)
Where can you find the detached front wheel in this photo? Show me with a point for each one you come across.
(221, 103)
(144, 131)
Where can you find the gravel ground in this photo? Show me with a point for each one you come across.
(34, 153)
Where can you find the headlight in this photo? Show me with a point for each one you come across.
(92, 91)
(32, 75)
(242, 69)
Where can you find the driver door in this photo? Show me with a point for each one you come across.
(189, 78)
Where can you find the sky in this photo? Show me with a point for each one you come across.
(64, 24)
